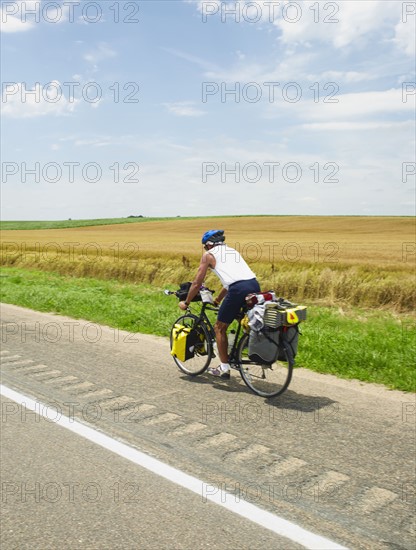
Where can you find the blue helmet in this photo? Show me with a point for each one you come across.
(213, 236)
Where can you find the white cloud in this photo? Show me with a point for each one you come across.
(93, 142)
(405, 35)
(15, 16)
(339, 23)
(19, 101)
(23, 15)
(211, 5)
(365, 176)
(357, 24)
(184, 108)
(203, 63)
(343, 23)
(13, 24)
(307, 199)
(348, 77)
(359, 107)
(97, 104)
(101, 52)
(290, 68)
(242, 72)
(354, 126)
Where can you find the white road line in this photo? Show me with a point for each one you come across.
(245, 509)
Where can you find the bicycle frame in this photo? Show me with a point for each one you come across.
(232, 354)
(203, 318)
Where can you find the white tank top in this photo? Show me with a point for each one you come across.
(230, 266)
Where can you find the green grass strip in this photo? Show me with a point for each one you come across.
(64, 224)
(372, 346)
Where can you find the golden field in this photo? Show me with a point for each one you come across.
(368, 261)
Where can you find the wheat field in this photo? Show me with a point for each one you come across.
(365, 261)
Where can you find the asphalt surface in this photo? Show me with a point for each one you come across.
(336, 457)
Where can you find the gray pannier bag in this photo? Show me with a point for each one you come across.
(278, 331)
(263, 346)
(292, 337)
(266, 345)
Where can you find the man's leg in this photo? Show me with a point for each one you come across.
(222, 341)
(223, 370)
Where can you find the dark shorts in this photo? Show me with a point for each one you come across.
(235, 298)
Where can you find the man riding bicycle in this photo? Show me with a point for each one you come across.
(237, 280)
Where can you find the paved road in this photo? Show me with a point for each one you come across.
(61, 491)
(336, 457)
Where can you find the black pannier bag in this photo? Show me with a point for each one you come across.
(183, 292)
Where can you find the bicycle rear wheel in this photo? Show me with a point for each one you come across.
(265, 380)
(203, 350)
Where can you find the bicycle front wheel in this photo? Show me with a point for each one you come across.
(265, 380)
(203, 349)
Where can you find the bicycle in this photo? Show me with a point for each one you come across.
(266, 380)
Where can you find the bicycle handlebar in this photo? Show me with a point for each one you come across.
(170, 292)
(209, 306)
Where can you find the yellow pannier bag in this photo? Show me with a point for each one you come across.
(183, 342)
(295, 315)
(244, 324)
(276, 316)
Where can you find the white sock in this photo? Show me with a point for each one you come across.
(225, 366)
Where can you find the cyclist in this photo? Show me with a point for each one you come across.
(237, 280)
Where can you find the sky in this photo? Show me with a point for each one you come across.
(194, 108)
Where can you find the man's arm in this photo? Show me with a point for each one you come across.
(206, 262)
(220, 296)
